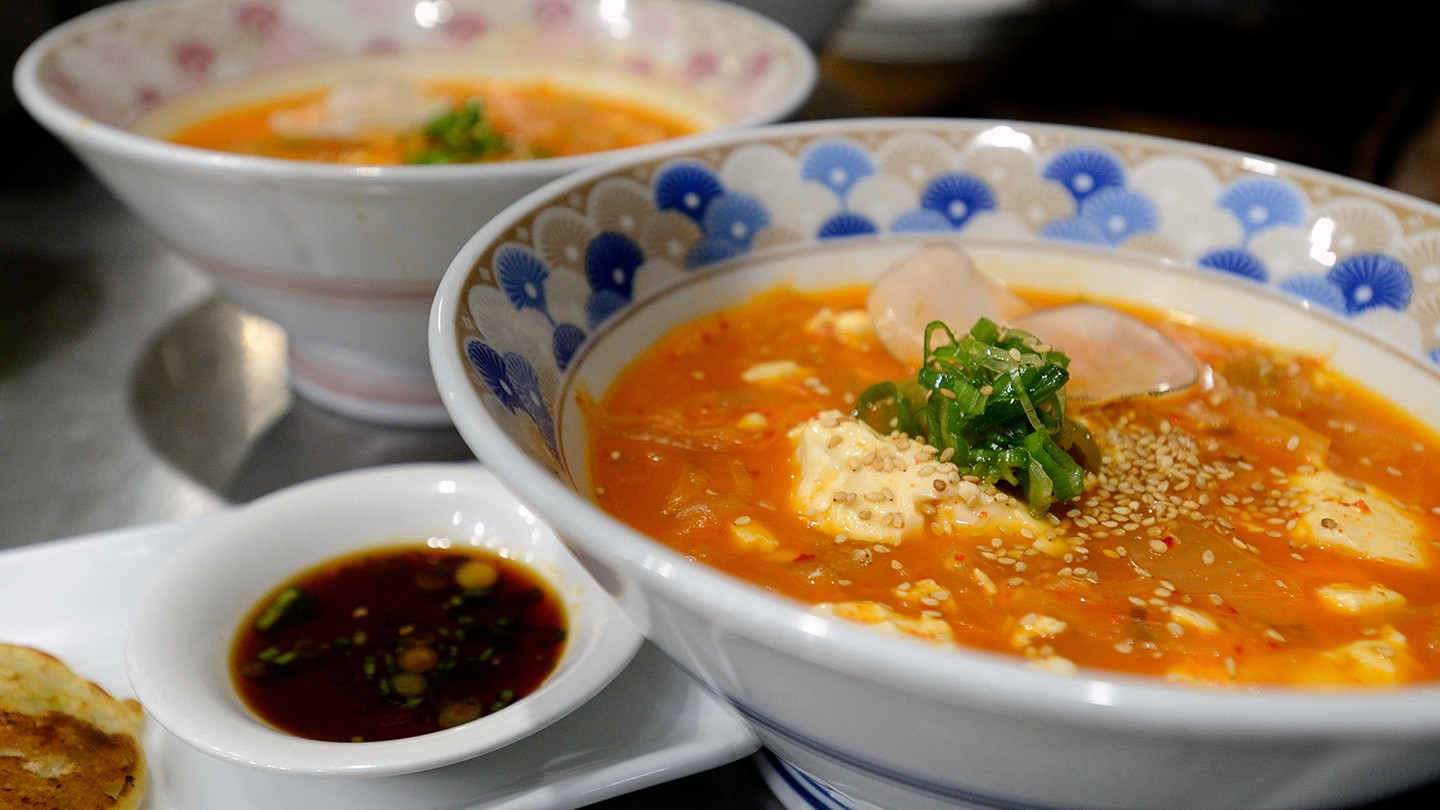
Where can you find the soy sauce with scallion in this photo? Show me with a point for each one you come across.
(396, 642)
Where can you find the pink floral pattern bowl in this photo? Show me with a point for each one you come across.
(347, 258)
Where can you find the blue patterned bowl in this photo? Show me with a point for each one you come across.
(557, 293)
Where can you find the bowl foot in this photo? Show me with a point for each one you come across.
(402, 399)
(798, 790)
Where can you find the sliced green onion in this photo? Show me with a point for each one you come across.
(275, 612)
(997, 401)
(462, 135)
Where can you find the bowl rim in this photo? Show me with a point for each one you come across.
(216, 722)
(977, 678)
(72, 126)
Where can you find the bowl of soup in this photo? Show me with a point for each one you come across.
(386, 621)
(990, 463)
(324, 163)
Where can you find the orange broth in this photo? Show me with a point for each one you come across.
(1154, 557)
(538, 119)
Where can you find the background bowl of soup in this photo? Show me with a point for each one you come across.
(1099, 673)
(346, 256)
(451, 593)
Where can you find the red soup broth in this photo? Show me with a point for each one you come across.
(535, 118)
(1183, 559)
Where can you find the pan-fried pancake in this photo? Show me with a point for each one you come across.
(65, 743)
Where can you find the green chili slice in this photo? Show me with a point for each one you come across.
(279, 607)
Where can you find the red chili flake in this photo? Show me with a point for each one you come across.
(804, 557)
(1358, 505)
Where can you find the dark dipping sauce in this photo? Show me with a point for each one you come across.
(396, 642)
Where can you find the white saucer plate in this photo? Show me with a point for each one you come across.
(72, 598)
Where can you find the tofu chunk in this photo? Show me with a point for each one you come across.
(869, 487)
(878, 489)
(1376, 661)
(851, 327)
(1359, 599)
(882, 618)
(774, 371)
(1358, 519)
(1035, 625)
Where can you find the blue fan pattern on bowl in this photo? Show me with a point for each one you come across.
(1109, 210)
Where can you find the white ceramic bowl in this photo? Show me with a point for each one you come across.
(178, 643)
(347, 258)
(931, 31)
(812, 20)
(1303, 258)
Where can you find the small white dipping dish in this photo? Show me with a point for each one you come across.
(178, 644)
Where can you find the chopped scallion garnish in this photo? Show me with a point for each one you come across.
(994, 398)
(279, 607)
(462, 135)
